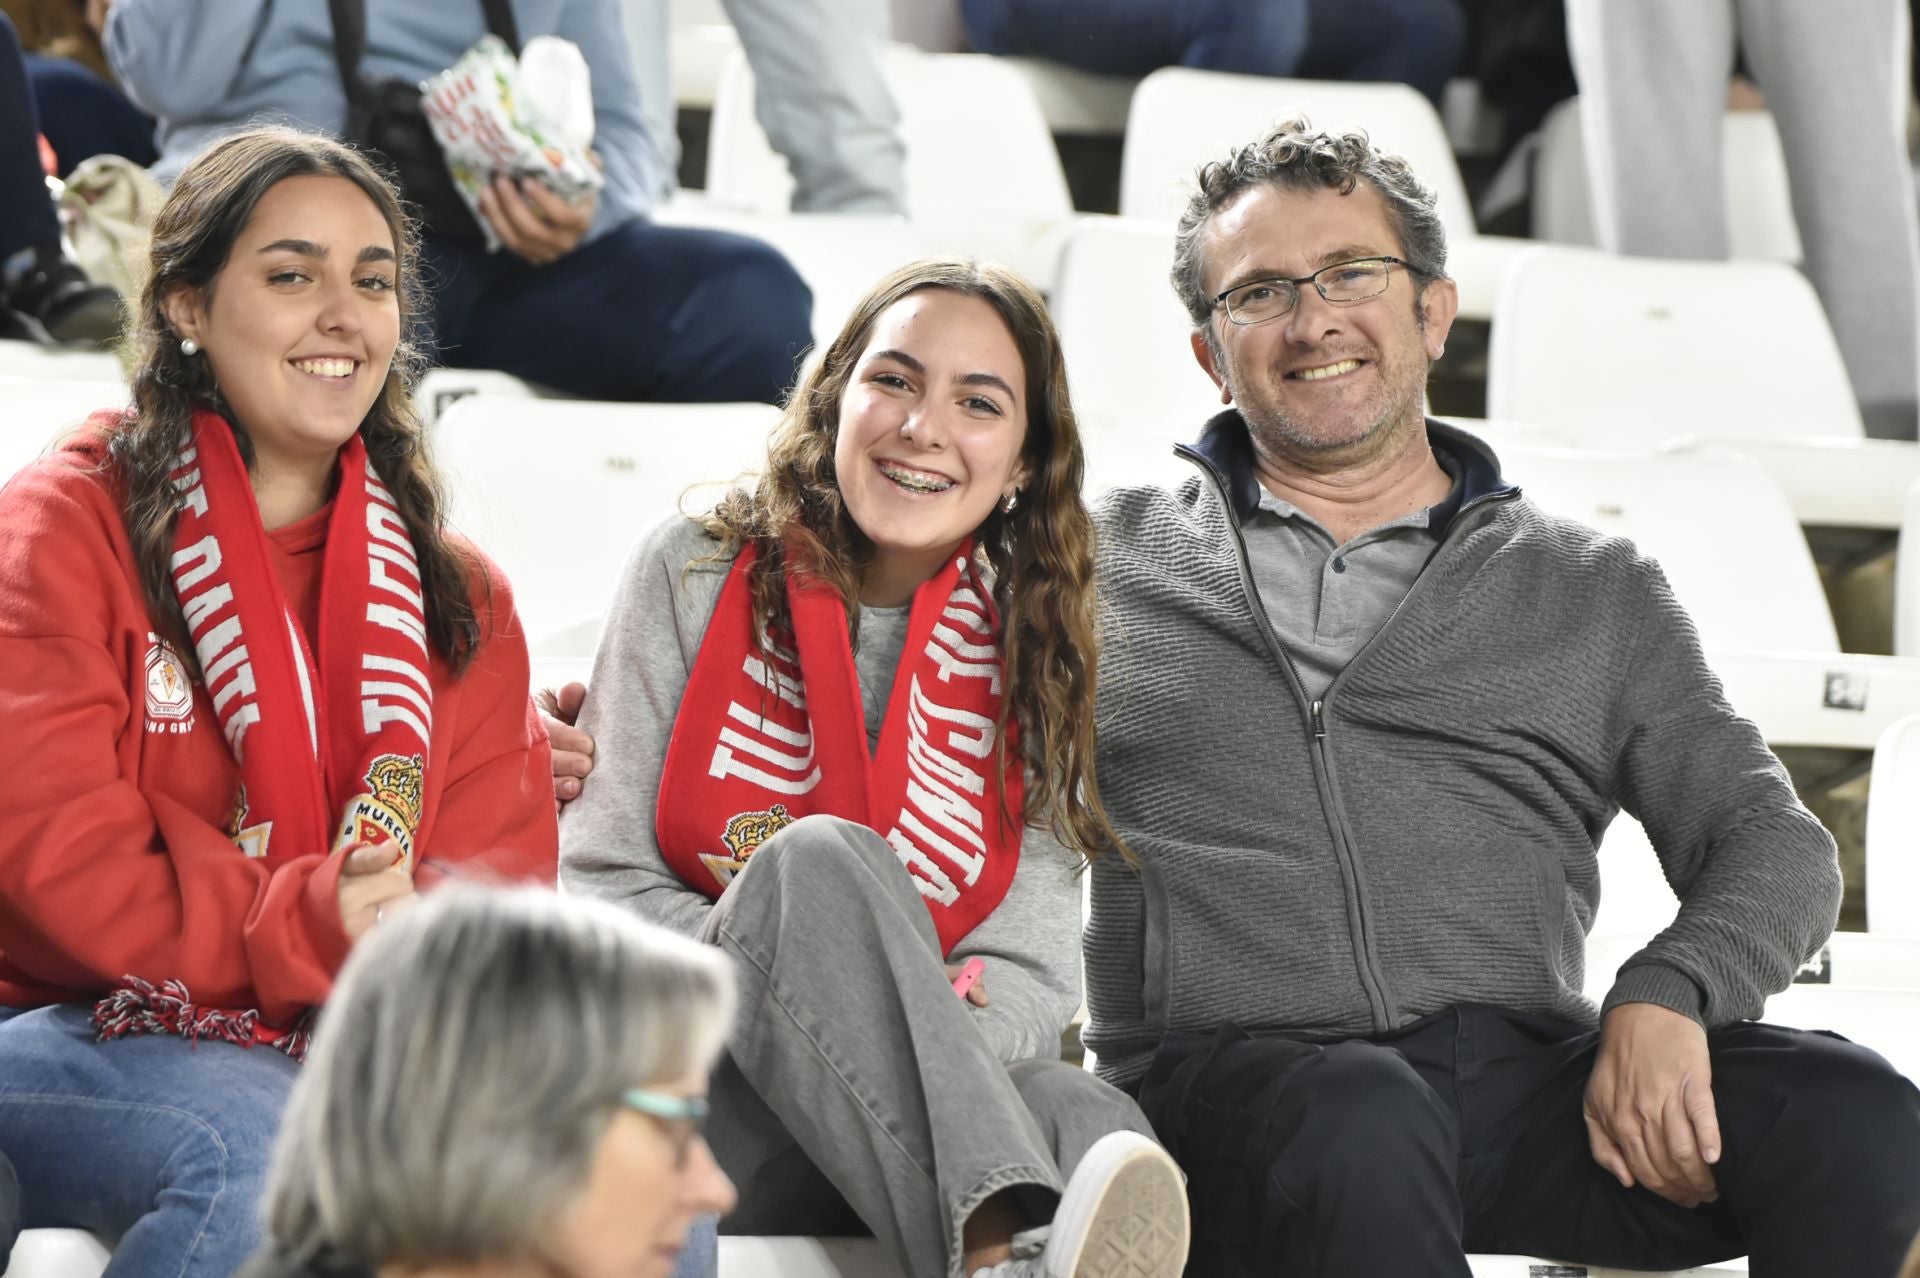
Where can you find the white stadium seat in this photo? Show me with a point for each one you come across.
(56, 1253)
(1125, 334)
(1181, 118)
(35, 412)
(1753, 179)
(1718, 525)
(1728, 542)
(1647, 353)
(1893, 831)
(839, 255)
(764, 1257)
(441, 388)
(1634, 351)
(29, 359)
(558, 491)
(1075, 101)
(982, 174)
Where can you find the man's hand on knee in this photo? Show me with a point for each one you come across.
(572, 748)
(1649, 1106)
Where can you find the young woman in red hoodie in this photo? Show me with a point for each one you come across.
(255, 697)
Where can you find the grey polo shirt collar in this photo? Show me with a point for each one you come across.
(1325, 601)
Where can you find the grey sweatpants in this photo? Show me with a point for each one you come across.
(1653, 82)
(855, 1090)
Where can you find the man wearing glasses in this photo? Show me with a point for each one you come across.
(1365, 713)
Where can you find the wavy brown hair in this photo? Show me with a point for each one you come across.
(210, 205)
(1040, 557)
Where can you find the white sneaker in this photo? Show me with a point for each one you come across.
(1122, 1215)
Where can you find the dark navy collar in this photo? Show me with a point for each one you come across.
(1225, 448)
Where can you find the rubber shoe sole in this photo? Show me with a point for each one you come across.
(1123, 1215)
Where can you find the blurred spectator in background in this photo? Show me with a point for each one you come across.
(591, 298)
(1653, 77)
(505, 1083)
(1416, 42)
(82, 112)
(819, 93)
(39, 283)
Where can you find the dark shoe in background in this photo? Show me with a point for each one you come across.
(54, 295)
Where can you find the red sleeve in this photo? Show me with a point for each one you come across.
(496, 816)
(98, 878)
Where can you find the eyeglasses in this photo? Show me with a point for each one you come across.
(1343, 283)
(682, 1116)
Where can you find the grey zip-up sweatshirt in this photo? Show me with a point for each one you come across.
(660, 612)
(1424, 836)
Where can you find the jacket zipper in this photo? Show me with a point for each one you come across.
(1374, 981)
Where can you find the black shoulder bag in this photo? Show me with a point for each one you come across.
(385, 117)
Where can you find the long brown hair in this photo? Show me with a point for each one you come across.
(1040, 556)
(193, 236)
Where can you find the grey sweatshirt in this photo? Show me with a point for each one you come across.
(1423, 835)
(660, 612)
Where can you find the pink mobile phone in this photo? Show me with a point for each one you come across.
(969, 973)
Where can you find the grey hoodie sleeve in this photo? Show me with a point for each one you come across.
(660, 611)
(1756, 874)
(1031, 945)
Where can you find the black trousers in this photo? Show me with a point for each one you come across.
(1463, 1133)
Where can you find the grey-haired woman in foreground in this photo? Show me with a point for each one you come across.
(504, 1083)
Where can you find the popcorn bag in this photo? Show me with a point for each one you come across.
(530, 117)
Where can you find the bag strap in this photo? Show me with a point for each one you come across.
(349, 42)
(350, 37)
(500, 22)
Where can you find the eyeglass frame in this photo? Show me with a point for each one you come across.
(1219, 299)
(684, 1117)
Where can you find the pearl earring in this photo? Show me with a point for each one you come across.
(1013, 499)
(189, 347)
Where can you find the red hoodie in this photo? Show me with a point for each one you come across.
(115, 789)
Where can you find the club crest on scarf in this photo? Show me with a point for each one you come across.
(742, 837)
(389, 811)
(769, 734)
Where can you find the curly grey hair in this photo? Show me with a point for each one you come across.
(1293, 155)
(471, 1057)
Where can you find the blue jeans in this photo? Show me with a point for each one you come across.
(1415, 42)
(156, 1142)
(645, 312)
(84, 116)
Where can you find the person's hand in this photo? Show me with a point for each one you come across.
(572, 748)
(978, 994)
(373, 884)
(533, 222)
(1649, 1106)
(97, 15)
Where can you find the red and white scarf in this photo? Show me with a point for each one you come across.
(766, 736)
(332, 742)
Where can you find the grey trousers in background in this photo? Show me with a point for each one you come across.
(1653, 85)
(856, 1095)
(820, 92)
